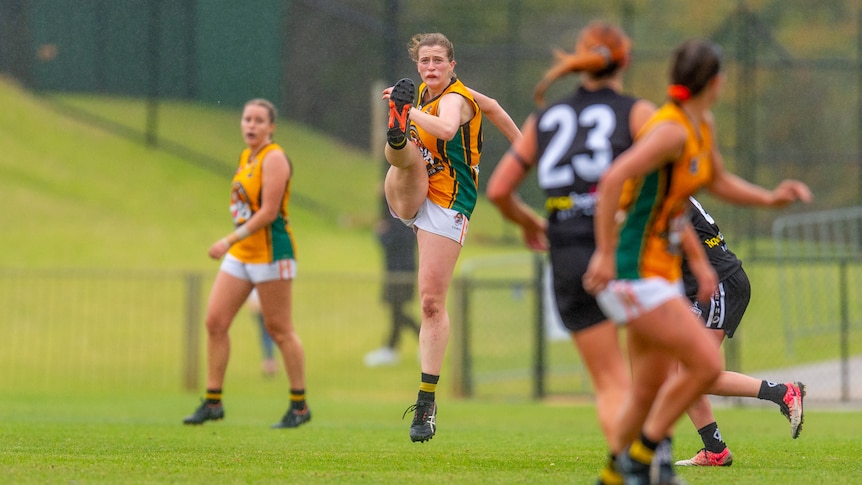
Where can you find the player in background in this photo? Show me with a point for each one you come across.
(258, 254)
(722, 314)
(570, 143)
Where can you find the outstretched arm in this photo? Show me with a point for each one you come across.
(498, 116)
(734, 189)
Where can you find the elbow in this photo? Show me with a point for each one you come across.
(494, 194)
(268, 217)
(448, 134)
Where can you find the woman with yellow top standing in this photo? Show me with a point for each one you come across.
(258, 254)
(432, 184)
(636, 268)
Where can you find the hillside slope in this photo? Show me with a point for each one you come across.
(81, 196)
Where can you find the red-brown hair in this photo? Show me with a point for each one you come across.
(601, 50)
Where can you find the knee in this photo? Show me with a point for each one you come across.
(432, 306)
(216, 325)
(281, 334)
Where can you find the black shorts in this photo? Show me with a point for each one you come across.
(578, 309)
(725, 309)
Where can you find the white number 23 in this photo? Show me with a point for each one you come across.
(600, 120)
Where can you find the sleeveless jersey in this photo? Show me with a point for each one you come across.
(720, 256)
(578, 138)
(272, 242)
(453, 166)
(657, 203)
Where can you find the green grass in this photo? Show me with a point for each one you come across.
(100, 235)
(82, 439)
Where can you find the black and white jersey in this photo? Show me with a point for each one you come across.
(578, 138)
(720, 257)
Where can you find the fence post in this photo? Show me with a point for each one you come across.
(193, 318)
(462, 385)
(539, 361)
(844, 331)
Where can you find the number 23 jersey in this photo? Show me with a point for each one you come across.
(578, 139)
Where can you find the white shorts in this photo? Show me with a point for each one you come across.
(439, 220)
(624, 300)
(283, 269)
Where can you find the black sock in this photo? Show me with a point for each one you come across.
(297, 399)
(711, 437)
(428, 387)
(770, 391)
(213, 396)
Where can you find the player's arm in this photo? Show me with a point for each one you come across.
(275, 174)
(453, 110)
(734, 189)
(497, 115)
(502, 189)
(698, 262)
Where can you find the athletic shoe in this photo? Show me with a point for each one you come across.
(661, 468)
(381, 356)
(206, 412)
(705, 457)
(633, 471)
(293, 418)
(792, 407)
(400, 101)
(424, 424)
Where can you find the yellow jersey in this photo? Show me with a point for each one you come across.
(656, 203)
(274, 241)
(453, 166)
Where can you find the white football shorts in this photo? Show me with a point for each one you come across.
(624, 300)
(283, 269)
(439, 220)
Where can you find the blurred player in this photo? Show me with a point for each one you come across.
(571, 143)
(258, 254)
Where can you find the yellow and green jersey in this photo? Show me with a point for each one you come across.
(272, 242)
(453, 166)
(657, 203)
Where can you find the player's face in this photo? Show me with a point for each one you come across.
(255, 124)
(434, 67)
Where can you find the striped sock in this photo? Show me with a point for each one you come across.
(297, 399)
(213, 396)
(428, 387)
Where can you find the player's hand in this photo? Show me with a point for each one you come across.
(707, 279)
(218, 249)
(601, 270)
(535, 234)
(789, 191)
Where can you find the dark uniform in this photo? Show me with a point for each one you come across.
(725, 309)
(578, 138)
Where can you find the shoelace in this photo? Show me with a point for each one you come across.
(417, 409)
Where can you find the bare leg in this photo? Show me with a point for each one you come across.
(437, 258)
(276, 304)
(226, 298)
(600, 349)
(406, 184)
(649, 371)
(681, 334)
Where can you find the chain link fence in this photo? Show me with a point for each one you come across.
(792, 108)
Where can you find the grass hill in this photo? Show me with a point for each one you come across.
(80, 195)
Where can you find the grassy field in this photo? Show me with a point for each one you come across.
(100, 236)
(100, 439)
